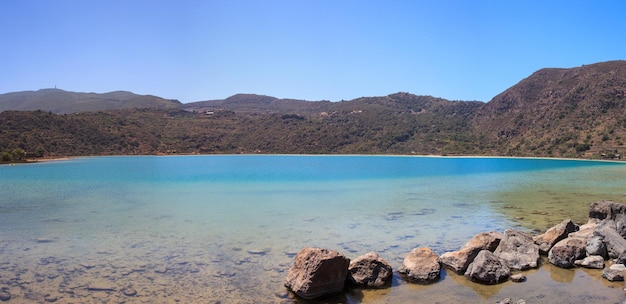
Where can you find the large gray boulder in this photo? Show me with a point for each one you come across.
(615, 243)
(488, 268)
(421, 265)
(370, 271)
(458, 261)
(553, 235)
(596, 246)
(610, 213)
(567, 251)
(317, 272)
(518, 249)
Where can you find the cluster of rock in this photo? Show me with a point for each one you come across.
(488, 258)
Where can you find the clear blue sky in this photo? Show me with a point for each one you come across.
(314, 50)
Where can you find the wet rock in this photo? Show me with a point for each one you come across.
(518, 249)
(604, 209)
(546, 240)
(593, 262)
(421, 266)
(459, 260)
(609, 213)
(5, 295)
(317, 272)
(518, 278)
(596, 246)
(567, 251)
(488, 268)
(370, 271)
(615, 243)
(621, 259)
(613, 275)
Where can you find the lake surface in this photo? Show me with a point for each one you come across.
(206, 229)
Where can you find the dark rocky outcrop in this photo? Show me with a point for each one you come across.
(458, 261)
(546, 240)
(488, 268)
(518, 249)
(370, 271)
(317, 272)
(567, 251)
(421, 266)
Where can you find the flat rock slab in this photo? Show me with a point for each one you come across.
(458, 261)
(101, 285)
(548, 239)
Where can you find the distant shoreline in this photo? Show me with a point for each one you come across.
(66, 158)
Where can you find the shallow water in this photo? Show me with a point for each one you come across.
(226, 228)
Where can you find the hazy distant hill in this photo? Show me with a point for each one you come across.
(252, 103)
(61, 102)
(559, 112)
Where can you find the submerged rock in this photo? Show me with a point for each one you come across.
(567, 251)
(317, 272)
(613, 275)
(594, 262)
(421, 265)
(518, 278)
(548, 239)
(518, 249)
(488, 268)
(5, 295)
(370, 271)
(129, 291)
(458, 261)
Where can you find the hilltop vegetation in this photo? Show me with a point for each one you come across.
(64, 102)
(576, 112)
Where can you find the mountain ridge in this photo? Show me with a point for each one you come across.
(575, 112)
(64, 102)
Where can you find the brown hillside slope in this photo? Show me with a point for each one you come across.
(576, 112)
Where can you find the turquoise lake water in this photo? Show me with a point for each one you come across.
(205, 229)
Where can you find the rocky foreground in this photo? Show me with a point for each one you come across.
(488, 258)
